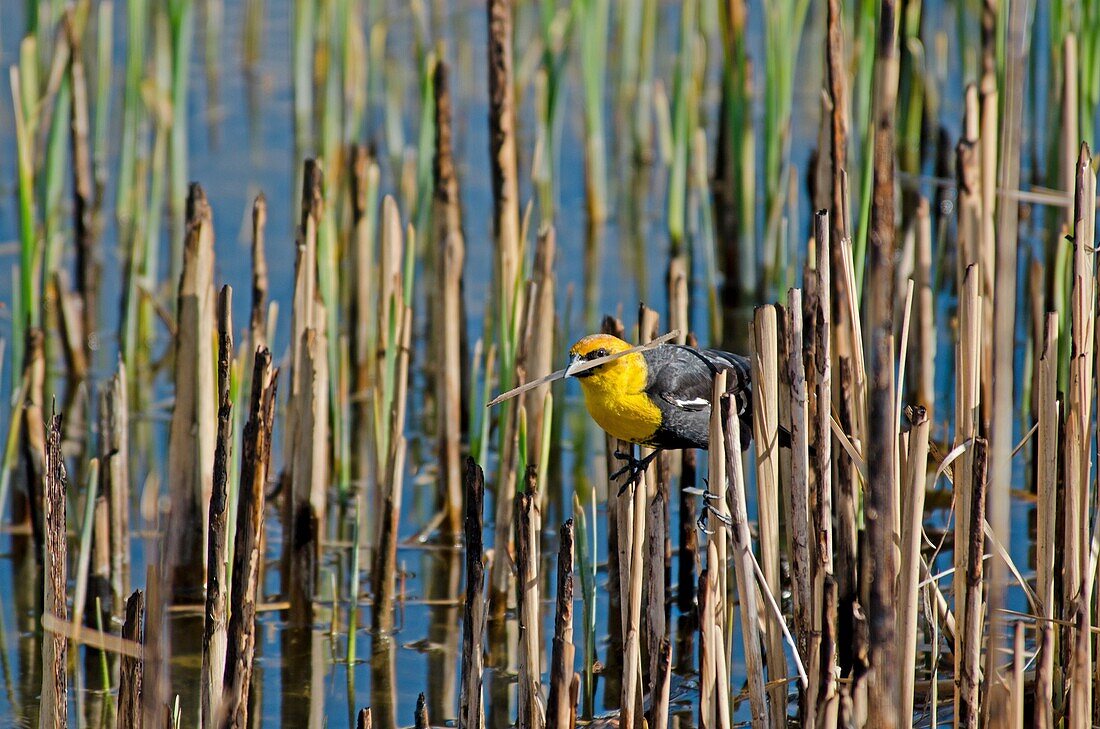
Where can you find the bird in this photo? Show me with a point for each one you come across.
(660, 397)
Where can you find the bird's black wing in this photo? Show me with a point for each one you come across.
(683, 379)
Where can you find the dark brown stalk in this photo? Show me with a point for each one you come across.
(558, 708)
(192, 434)
(449, 313)
(473, 616)
(828, 700)
(155, 656)
(257, 322)
(255, 465)
(967, 683)
(364, 720)
(213, 635)
(530, 714)
(130, 668)
(71, 324)
(502, 141)
(54, 703)
(87, 263)
(421, 716)
(615, 564)
(797, 501)
(882, 473)
(837, 77)
(847, 531)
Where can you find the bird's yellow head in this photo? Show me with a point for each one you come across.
(614, 393)
(623, 374)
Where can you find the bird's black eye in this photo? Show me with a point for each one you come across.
(596, 354)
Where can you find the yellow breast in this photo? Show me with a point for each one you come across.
(616, 400)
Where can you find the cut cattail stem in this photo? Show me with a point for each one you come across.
(473, 616)
(559, 710)
(55, 678)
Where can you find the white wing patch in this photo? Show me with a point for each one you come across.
(698, 403)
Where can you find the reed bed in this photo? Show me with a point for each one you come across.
(198, 495)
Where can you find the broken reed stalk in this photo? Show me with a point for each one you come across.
(713, 593)
(1046, 479)
(526, 520)
(54, 702)
(192, 433)
(450, 313)
(385, 565)
(1078, 596)
(797, 494)
(765, 420)
(473, 616)
(882, 469)
(257, 320)
(741, 553)
(912, 532)
(420, 715)
(114, 457)
(87, 264)
(538, 349)
(255, 466)
(364, 720)
(130, 667)
(559, 710)
(967, 680)
(213, 634)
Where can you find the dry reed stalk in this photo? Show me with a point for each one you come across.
(155, 656)
(741, 555)
(73, 340)
(707, 647)
(968, 678)
(632, 536)
(385, 565)
(1046, 504)
(364, 190)
(765, 418)
(828, 699)
(34, 435)
(130, 667)
(715, 589)
(1044, 676)
(967, 399)
(559, 710)
(305, 504)
(538, 345)
(912, 532)
(924, 357)
(882, 469)
(1016, 680)
(473, 615)
(303, 314)
(257, 321)
(87, 264)
(192, 434)
(797, 493)
(658, 716)
(1077, 463)
(1001, 438)
(450, 314)
(255, 466)
(420, 715)
(115, 471)
(213, 635)
(98, 572)
(837, 78)
(527, 605)
(54, 706)
(364, 720)
(1078, 669)
(503, 155)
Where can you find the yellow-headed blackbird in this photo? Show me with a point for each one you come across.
(659, 397)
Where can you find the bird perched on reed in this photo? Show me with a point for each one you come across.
(659, 397)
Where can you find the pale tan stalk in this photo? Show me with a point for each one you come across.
(765, 412)
(192, 431)
(742, 560)
(911, 538)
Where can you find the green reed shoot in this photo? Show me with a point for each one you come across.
(867, 21)
(181, 20)
(133, 113)
(684, 115)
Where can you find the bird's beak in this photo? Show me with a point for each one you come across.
(574, 362)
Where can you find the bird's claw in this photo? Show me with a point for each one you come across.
(634, 466)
